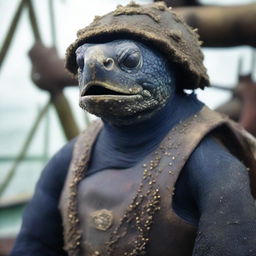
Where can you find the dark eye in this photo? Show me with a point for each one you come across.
(132, 60)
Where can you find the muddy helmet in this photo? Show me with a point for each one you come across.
(155, 25)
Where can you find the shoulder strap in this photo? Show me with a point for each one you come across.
(242, 145)
(185, 136)
(239, 142)
(68, 201)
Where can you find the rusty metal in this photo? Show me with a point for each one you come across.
(58, 98)
(242, 106)
(48, 71)
(176, 3)
(222, 87)
(223, 26)
(48, 74)
(60, 102)
(6, 245)
(248, 110)
(231, 108)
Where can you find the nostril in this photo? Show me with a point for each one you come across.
(108, 63)
(91, 64)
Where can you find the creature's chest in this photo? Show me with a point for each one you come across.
(107, 190)
(102, 202)
(125, 211)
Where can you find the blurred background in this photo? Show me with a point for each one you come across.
(39, 109)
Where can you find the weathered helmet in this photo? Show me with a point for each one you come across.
(155, 25)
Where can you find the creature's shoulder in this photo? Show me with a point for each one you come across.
(211, 139)
(226, 152)
(212, 157)
(55, 171)
(65, 153)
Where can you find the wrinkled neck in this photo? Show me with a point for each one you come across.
(123, 147)
(148, 134)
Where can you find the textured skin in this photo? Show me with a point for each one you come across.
(227, 212)
(152, 81)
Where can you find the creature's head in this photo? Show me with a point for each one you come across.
(124, 80)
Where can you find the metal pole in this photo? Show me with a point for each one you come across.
(65, 115)
(253, 63)
(46, 141)
(223, 88)
(52, 19)
(26, 159)
(59, 100)
(11, 31)
(33, 21)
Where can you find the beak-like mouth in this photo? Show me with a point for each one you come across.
(102, 89)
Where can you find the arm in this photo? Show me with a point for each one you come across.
(41, 231)
(227, 223)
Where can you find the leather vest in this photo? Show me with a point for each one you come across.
(129, 212)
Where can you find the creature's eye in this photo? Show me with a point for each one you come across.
(131, 60)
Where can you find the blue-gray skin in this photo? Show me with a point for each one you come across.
(212, 191)
(120, 83)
